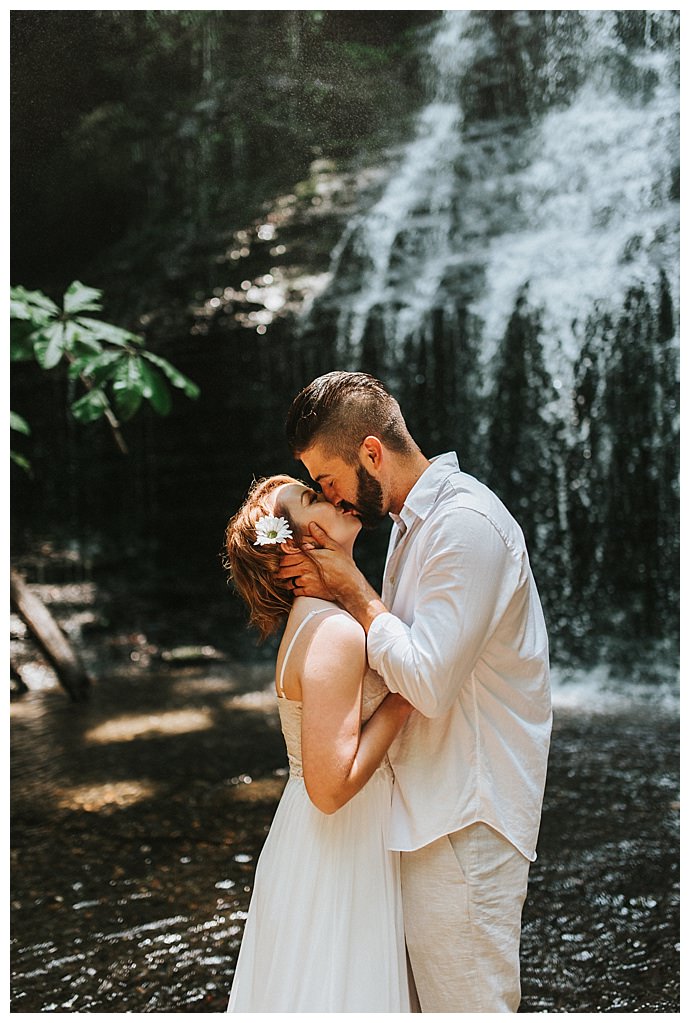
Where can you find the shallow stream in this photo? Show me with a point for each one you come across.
(138, 818)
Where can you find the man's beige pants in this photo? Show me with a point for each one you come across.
(462, 900)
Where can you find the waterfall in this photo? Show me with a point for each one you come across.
(405, 241)
(592, 218)
(516, 283)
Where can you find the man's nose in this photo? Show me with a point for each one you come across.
(331, 495)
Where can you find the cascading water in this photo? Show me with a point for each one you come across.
(594, 210)
(405, 241)
(516, 283)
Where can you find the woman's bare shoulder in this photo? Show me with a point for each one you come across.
(337, 639)
(339, 626)
(328, 620)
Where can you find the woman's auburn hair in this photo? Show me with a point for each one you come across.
(251, 569)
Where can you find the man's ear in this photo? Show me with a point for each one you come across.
(372, 452)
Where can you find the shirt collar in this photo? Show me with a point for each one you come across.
(422, 497)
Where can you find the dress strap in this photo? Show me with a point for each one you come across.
(307, 618)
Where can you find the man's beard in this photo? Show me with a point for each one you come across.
(369, 501)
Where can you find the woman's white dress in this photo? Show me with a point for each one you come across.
(324, 931)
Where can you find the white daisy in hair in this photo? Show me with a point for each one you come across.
(272, 529)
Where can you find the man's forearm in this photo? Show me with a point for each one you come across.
(362, 601)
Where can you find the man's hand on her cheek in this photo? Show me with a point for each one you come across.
(319, 568)
(299, 572)
(320, 538)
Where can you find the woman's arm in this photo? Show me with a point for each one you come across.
(339, 755)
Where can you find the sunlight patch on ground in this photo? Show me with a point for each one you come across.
(38, 676)
(262, 700)
(94, 797)
(137, 726)
(259, 790)
(206, 686)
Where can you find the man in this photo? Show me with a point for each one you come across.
(458, 630)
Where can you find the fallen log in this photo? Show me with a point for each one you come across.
(66, 661)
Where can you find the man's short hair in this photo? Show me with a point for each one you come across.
(339, 410)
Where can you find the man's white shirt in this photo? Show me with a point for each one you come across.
(465, 642)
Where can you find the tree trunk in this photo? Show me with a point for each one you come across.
(60, 652)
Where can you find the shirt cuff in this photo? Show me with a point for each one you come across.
(383, 633)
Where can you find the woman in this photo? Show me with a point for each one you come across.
(324, 931)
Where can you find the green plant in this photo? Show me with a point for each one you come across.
(19, 425)
(115, 368)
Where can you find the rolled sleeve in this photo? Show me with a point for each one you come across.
(464, 582)
(384, 632)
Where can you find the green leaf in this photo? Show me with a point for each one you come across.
(80, 298)
(127, 402)
(20, 460)
(86, 346)
(98, 367)
(26, 313)
(19, 310)
(128, 386)
(33, 302)
(176, 378)
(156, 390)
(71, 335)
(21, 345)
(49, 345)
(76, 366)
(108, 332)
(19, 424)
(39, 346)
(90, 407)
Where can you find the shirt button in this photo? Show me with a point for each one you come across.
(392, 580)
